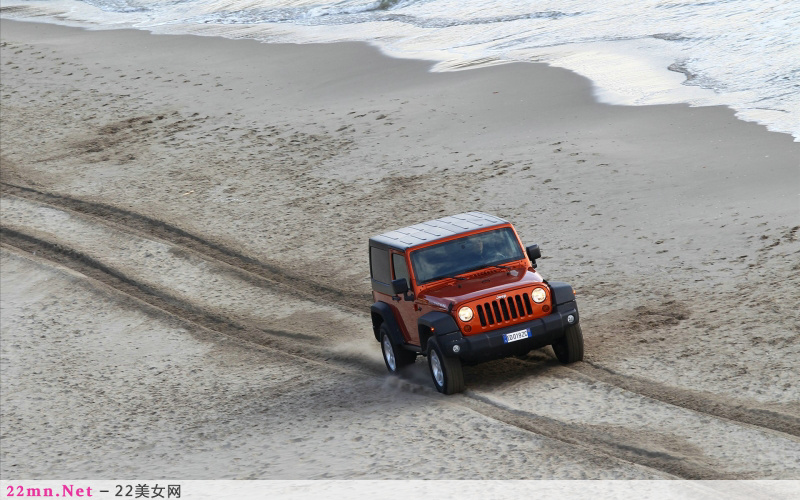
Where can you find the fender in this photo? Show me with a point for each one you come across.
(382, 313)
(562, 292)
(439, 324)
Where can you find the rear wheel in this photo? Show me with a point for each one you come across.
(569, 348)
(446, 372)
(394, 356)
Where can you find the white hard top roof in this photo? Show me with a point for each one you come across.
(435, 229)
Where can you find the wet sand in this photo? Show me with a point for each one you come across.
(198, 297)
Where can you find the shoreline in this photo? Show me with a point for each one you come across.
(695, 97)
(677, 226)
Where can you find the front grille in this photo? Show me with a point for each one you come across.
(509, 308)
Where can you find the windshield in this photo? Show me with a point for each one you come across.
(469, 253)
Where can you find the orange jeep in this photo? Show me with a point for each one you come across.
(460, 289)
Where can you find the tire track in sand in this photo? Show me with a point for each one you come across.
(573, 435)
(626, 444)
(290, 283)
(18, 242)
(307, 289)
(293, 343)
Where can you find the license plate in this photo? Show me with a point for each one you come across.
(514, 336)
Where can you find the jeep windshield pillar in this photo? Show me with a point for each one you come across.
(464, 289)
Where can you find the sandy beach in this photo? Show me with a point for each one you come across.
(185, 279)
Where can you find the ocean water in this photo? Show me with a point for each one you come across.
(741, 53)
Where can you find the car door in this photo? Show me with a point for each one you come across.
(407, 310)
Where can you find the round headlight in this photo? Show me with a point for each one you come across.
(465, 314)
(538, 295)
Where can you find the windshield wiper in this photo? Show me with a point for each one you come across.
(454, 276)
(507, 268)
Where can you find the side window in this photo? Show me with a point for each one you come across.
(379, 264)
(400, 268)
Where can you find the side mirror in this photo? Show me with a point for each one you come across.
(533, 254)
(400, 286)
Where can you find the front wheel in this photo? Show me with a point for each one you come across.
(569, 348)
(448, 377)
(394, 356)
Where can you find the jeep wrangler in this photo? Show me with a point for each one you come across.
(460, 290)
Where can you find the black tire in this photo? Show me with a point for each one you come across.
(446, 372)
(569, 348)
(395, 357)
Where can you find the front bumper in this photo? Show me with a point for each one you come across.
(491, 345)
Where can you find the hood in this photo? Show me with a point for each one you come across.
(482, 283)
